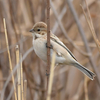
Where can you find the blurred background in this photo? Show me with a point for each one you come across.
(69, 83)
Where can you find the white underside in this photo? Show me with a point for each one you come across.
(41, 51)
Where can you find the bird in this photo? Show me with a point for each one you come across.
(63, 54)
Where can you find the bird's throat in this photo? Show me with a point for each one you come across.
(35, 37)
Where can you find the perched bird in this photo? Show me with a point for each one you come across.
(63, 54)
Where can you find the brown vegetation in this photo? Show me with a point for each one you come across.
(83, 40)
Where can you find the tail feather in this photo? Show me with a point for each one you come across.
(84, 70)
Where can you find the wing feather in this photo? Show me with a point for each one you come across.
(56, 39)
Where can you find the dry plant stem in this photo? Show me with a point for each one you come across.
(60, 17)
(13, 21)
(18, 73)
(79, 91)
(10, 63)
(43, 7)
(95, 69)
(41, 80)
(87, 19)
(12, 46)
(11, 91)
(3, 80)
(84, 39)
(25, 89)
(64, 31)
(32, 10)
(22, 91)
(30, 77)
(90, 23)
(28, 82)
(25, 13)
(13, 71)
(79, 43)
(51, 76)
(48, 41)
(86, 88)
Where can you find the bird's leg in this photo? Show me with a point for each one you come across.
(51, 47)
(47, 74)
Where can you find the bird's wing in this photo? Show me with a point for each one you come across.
(56, 39)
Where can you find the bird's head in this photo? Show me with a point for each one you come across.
(39, 29)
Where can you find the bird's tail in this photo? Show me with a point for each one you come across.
(84, 70)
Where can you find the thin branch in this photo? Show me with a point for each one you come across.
(92, 28)
(48, 41)
(13, 45)
(11, 92)
(32, 10)
(93, 36)
(22, 91)
(26, 73)
(51, 76)
(60, 17)
(10, 63)
(25, 13)
(30, 76)
(64, 31)
(14, 70)
(79, 43)
(84, 39)
(18, 73)
(42, 83)
(86, 88)
(79, 91)
(25, 89)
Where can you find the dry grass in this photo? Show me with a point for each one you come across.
(10, 63)
(67, 83)
(90, 24)
(51, 77)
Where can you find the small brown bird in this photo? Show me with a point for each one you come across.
(63, 54)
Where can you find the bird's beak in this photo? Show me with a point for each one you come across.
(31, 30)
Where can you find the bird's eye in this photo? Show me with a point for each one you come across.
(38, 30)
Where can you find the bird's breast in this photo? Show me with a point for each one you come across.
(40, 48)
